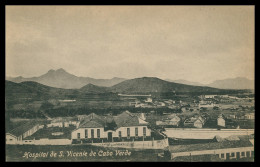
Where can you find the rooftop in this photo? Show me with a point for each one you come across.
(128, 119)
(122, 120)
(198, 158)
(93, 121)
(210, 146)
(23, 128)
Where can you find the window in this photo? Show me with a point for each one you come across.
(222, 155)
(136, 132)
(217, 155)
(92, 133)
(98, 133)
(232, 154)
(242, 153)
(252, 153)
(248, 154)
(86, 133)
(144, 131)
(119, 134)
(128, 133)
(78, 135)
(10, 139)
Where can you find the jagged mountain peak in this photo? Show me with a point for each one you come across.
(60, 78)
(51, 71)
(60, 70)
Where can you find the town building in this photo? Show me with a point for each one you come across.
(140, 115)
(225, 150)
(195, 121)
(207, 96)
(221, 120)
(206, 105)
(63, 122)
(18, 134)
(173, 120)
(250, 116)
(123, 127)
(149, 100)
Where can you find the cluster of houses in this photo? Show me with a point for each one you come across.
(195, 121)
(63, 122)
(149, 103)
(206, 102)
(88, 128)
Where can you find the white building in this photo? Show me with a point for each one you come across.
(149, 100)
(195, 121)
(174, 120)
(210, 96)
(221, 121)
(63, 122)
(225, 150)
(250, 116)
(208, 105)
(18, 134)
(125, 126)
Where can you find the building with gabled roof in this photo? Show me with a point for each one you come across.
(19, 133)
(225, 150)
(123, 126)
(195, 121)
(172, 120)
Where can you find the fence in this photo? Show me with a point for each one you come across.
(154, 144)
(193, 133)
(44, 142)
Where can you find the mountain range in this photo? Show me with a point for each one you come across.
(34, 90)
(61, 79)
(230, 83)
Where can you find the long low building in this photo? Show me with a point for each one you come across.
(203, 133)
(16, 135)
(225, 150)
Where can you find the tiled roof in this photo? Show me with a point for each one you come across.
(128, 119)
(93, 120)
(23, 128)
(122, 120)
(92, 124)
(210, 146)
(234, 137)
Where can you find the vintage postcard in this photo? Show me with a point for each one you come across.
(130, 83)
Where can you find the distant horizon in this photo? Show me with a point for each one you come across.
(193, 43)
(128, 78)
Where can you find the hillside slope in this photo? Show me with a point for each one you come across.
(150, 84)
(90, 88)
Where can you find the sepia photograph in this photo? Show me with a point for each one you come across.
(129, 83)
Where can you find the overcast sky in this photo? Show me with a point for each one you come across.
(195, 43)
